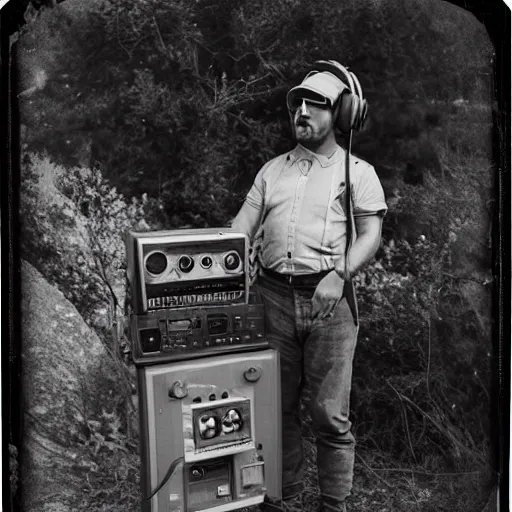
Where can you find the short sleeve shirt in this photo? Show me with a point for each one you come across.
(301, 197)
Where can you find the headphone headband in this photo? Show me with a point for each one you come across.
(353, 107)
(338, 70)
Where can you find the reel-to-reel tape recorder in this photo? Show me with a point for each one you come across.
(208, 381)
(185, 268)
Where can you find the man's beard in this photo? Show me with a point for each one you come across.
(303, 130)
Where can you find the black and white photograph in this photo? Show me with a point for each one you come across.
(255, 256)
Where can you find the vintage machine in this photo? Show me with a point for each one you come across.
(190, 295)
(187, 268)
(185, 333)
(217, 421)
(208, 383)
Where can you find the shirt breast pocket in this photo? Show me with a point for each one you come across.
(338, 204)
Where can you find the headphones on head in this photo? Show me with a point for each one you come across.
(351, 109)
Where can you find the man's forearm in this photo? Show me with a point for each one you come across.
(361, 252)
(364, 247)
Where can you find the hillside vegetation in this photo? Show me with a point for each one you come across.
(158, 114)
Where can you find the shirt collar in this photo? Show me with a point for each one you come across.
(301, 152)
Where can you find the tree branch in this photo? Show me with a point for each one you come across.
(117, 35)
(227, 54)
(370, 469)
(426, 473)
(272, 67)
(485, 282)
(159, 34)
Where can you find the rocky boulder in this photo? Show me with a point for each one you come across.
(72, 226)
(68, 382)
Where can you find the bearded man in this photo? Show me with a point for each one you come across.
(309, 240)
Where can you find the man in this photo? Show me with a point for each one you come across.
(295, 214)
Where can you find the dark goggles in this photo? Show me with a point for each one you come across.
(297, 97)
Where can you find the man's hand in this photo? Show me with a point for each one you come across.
(327, 295)
(329, 291)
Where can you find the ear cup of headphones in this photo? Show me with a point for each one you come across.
(347, 112)
(362, 115)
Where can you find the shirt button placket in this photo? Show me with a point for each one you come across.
(292, 228)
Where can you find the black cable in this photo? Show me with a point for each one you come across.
(166, 478)
(349, 290)
(348, 199)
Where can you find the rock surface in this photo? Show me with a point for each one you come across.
(63, 241)
(61, 361)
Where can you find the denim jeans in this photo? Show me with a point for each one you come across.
(316, 357)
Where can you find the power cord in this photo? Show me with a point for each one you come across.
(170, 472)
(351, 231)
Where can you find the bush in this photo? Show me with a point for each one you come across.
(72, 229)
(422, 375)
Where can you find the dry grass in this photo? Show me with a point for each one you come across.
(380, 486)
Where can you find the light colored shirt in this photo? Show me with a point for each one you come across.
(297, 200)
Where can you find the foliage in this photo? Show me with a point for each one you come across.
(382, 485)
(421, 349)
(422, 306)
(72, 228)
(156, 91)
(107, 447)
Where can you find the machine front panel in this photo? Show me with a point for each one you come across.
(221, 414)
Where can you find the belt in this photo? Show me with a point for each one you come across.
(297, 280)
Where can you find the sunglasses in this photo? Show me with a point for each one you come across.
(296, 99)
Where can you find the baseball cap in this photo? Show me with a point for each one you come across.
(321, 88)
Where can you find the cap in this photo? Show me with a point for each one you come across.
(319, 87)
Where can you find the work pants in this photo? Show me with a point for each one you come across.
(316, 358)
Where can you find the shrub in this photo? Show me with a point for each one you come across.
(422, 375)
(72, 229)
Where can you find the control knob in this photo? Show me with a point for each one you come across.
(252, 374)
(179, 389)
